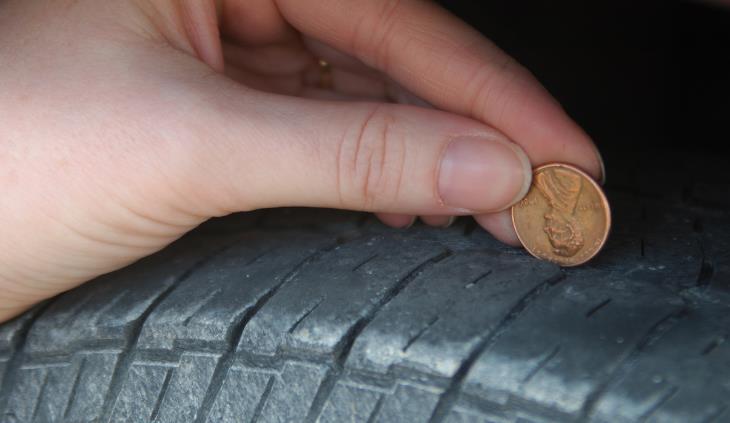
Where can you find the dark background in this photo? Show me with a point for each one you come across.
(640, 76)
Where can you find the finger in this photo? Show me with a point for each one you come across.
(275, 151)
(255, 22)
(500, 225)
(450, 65)
(399, 221)
(439, 221)
(200, 22)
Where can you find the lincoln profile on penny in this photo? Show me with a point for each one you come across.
(561, 188)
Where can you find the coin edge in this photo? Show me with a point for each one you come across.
(604, 200)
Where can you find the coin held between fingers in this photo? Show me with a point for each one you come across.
(564, 218)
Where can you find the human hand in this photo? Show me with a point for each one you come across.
(125, 124)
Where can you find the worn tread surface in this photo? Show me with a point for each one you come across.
(293, 315)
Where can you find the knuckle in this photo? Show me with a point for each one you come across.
(371, 161)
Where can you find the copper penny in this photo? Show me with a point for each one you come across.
(564, 218)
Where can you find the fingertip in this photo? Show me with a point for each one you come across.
(451, 221)
(602, 167)
(398, 221)
(500, 226)
(439, 221)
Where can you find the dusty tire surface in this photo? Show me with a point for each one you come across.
(314, 315)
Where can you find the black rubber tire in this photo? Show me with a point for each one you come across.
(295, 315)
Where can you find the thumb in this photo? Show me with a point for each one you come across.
(275, 151)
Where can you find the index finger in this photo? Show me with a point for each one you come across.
(451, 65)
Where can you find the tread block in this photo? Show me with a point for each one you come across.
(90, 386)
(9, 331)
(79, 315)
(25, 395)
(463, 416)
(242, 391)
(351, 403)
(42, 392)
(654, 386)
(208, 302)
(292, 392)
(55, 393)
(656, 243)
(140, 393)
(564, 347)
(187, 387)
(415, 402)
(358, 275)
(433, 324)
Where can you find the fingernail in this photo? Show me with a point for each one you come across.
(603, 167)
(450, 222)
(411, 223)
(483, 174)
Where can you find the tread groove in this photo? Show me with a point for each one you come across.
(597, 307)
(704, 277)
(262, 401)
(470, 226)
(258, 257)
(541, 365)
(305, 315)
(659, 403)
(161, 394)
(108, 306)
(13, 363)
(478, 279)
(323, 393)
(364, 262)
(714, 344)
(372, 418)
(74, 388)
(201, 305)
(420, 333)
(450, 395)
(41, 394)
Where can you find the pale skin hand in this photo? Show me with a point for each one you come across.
(126, 123)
